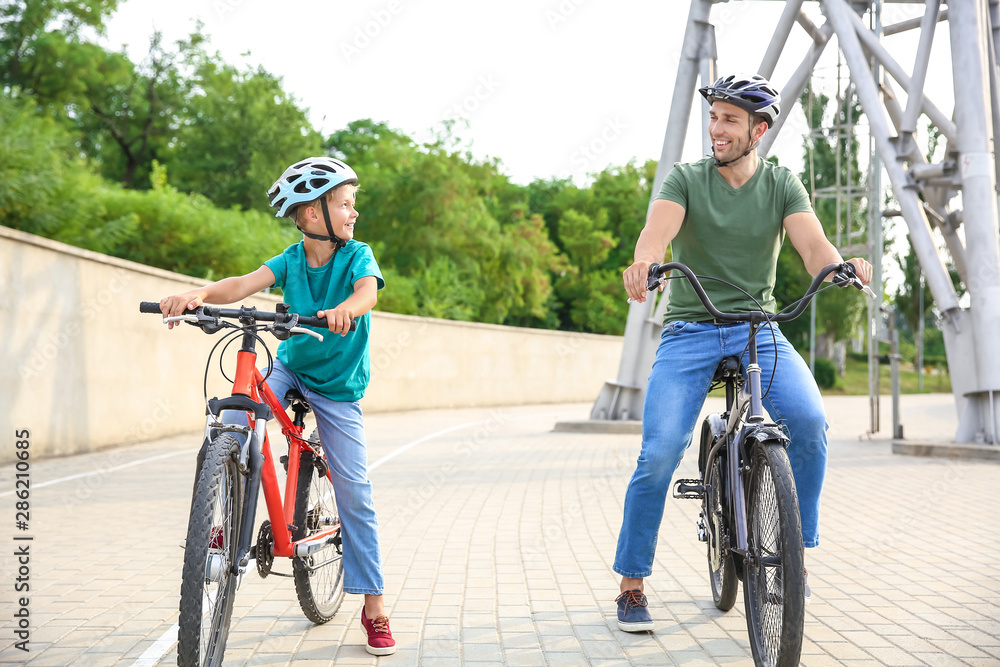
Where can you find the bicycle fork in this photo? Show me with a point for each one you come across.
(250, 465)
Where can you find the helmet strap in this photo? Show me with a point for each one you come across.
(338, 242)
(753, 145)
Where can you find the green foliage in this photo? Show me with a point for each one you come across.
(187, 146)
(45, 190)
(825, 373)
(452, 228)
(242, 131)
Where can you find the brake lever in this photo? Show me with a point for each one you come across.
(198, 318)
(658, 285)
(845, 279)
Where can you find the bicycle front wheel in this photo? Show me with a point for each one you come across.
(208, 586)
(773, 585)
(319, 577)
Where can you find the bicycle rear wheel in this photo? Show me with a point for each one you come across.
(208, 585)
(319, 577)
(773, 585)
(721, 571)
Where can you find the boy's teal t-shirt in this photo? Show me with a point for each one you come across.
(339, 366)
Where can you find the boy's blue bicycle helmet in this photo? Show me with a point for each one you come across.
(753, 93)
(306, 181)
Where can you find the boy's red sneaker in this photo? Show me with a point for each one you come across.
(380, 641)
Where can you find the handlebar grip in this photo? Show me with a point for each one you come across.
(652, 279)
(321, 322)
(153, 308)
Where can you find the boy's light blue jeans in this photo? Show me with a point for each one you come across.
(686, 359)
(343, 434)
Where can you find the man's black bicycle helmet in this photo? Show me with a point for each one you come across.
(753, 93)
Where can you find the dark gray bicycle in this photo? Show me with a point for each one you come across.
(750, 510)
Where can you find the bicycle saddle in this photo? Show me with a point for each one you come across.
(295, 398)
(728, 367)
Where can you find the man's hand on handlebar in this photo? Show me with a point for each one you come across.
(635, 278)
(862, 269)
(856, 273)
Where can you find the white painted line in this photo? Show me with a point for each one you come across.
(107, 471)
(159, 648)
(393, 454)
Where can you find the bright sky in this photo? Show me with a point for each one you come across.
(553, 88)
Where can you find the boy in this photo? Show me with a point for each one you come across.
(332, 275)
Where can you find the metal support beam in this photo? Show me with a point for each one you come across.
(788, 16)
(871, 45)
(839, 15)
(968, 27)
(910, 24)
(936, 197)
(796, 84)
(916, 95)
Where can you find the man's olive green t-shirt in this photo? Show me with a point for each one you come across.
(729, 233)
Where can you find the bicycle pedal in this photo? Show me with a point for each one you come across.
(689, 489)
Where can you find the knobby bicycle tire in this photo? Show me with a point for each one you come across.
(208, 586)
(722, 576)
(773, 584)
(319, 577)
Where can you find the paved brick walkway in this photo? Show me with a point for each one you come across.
(498, 537)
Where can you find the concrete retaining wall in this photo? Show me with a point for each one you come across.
(82, 369)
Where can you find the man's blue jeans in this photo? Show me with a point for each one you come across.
(679, 382)
(343, 434)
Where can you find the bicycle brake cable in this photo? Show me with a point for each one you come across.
(767, 319)
(208, 362)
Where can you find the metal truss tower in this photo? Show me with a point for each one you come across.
(926, 192)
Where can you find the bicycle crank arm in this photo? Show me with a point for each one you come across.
(309, 547)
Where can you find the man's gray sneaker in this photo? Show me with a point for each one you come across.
(632, 613)
(806, 589)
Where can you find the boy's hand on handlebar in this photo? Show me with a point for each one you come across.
(338, 320)
(173, 306)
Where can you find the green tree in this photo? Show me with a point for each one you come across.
(239, 130)
(432, 215)
(42, 50)
(123, 112)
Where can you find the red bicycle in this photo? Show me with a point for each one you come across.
(305, 527)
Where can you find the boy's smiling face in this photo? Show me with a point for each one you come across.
(343, 215)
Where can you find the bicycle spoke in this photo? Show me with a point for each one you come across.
(319, 578)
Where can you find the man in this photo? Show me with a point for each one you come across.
(725, 217)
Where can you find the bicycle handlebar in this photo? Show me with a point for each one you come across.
(845, 276)
(285, 321)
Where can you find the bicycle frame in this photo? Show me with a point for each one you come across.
(252, 394)
(739, 430)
